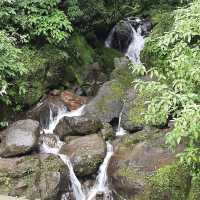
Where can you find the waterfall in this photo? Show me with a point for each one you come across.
(101, 185)
(120, 131)
(76, 185)
(136, 45)
(62, 112)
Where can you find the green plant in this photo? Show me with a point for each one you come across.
(173, 65)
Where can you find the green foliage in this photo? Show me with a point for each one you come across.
(173, 63)
(11, 69)
(27, 20)
(169, 182)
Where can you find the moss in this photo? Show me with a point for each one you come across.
(106, 56)
(130, 173)
(82, 50)
(138, 108)
(169, 182)
(195, 188)
(45, 69)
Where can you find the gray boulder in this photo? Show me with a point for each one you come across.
(77, 126)
(20, 138)
(86, 153)
(34, 177)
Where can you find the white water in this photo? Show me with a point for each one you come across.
(136, 46)
(102, 178)
(120, 130)
(101, 184)
(62, 112)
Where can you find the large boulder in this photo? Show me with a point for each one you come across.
(74, 126)
(35, 177)
(107, 105)
(137, 158)
(86, 154)
(121, 36)
(20, 138)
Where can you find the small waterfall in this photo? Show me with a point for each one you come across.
(101, 185)
(76, 185)
(120, 130)
(102, 178)
(136, 46)
(45, 148)
(62, 112)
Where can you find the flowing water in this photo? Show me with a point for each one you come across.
(53, 121)
(101, 184)
(120, 131)
(135, 46)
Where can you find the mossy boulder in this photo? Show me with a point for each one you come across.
(33, 177)
(137, 158)
(20, 138)
(106, 58)
(107, 104)
(86, 154)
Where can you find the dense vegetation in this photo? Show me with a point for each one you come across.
(171, 56)
(172, 59)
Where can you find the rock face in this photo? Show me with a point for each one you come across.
(20, 138)
(35, 177)
(77, 126)
(122, 36)
(86, 153)
(72, 101)
(138, 157)
(107, 104)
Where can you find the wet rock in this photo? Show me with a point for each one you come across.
(107, 104)
(20, 138)
(137, 158)
(73, 101)
(73, 126)
(86, 153)
(122, 36)
(107, 132)
(35, 177)
(54, 102)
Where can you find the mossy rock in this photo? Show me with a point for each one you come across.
(138, 162)
(135, 108)
(195, 188)
(33, 177)
(107, 104)
(106, 57)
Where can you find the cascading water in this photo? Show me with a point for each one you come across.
(101, 180)
(136, 45)
(120, 131)
(101, 185)
(62, 112)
